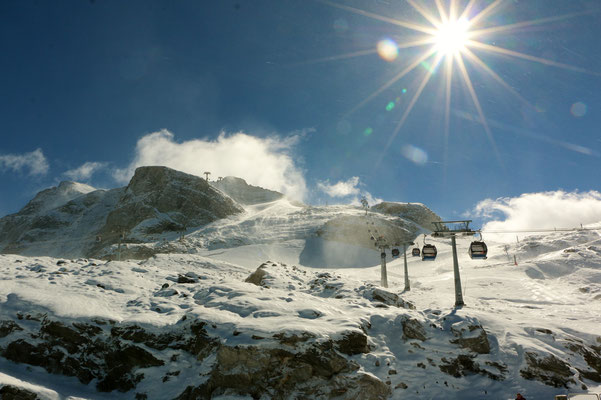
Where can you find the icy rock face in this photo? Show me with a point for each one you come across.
(244, 193)
(60, 221)
(65, 221)
(160, 199)
(13, 392)
(307, 369)
(416, 212)
(550, 370)
(55, 196)
(118, 355)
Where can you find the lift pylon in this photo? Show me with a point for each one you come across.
(446, 229)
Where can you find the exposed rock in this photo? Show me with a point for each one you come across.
(550, 370)
(55, 333)
(48, 223)
(592, 356)
(315, 372)
(388, 298)
(413, 329)
(464, 365)
(88, 352)
(353, 342)
(192, 338)
(256, 278)
(244, 193)
(293, 339)
(476, 340)
(121, 363)
(8, 327)
(416, 212)
(9, 392)
(163, 199)
(185, 279)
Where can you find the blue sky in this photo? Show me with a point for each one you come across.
(265, 90)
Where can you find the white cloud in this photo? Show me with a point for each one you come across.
(347, 188)
(34, 161)
(84, 171)
(341, 188)
(264, 162)
(546, 210)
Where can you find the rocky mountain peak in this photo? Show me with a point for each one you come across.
(415, 212)
(160, 199)
(243, 193)
(56, 196)
(153, 178)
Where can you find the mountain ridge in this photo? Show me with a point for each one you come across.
(160, 205)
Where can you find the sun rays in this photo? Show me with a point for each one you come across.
(455, 31)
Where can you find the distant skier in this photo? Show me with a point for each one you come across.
(519, 397)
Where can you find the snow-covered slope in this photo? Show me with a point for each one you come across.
(288, 231)
(531, 328)
(282, 300)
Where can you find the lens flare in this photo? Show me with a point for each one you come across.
(414, 154)
(388, 50)
(578, 109)
(341, 25)
(390, 106)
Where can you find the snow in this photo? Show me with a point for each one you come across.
(556, 286)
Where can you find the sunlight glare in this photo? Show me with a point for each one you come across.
(452, 36)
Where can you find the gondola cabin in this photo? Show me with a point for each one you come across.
(429, 252)
(415, 252)
(478, 250)
(395, 253)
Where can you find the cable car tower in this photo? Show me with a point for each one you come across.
(445, 229)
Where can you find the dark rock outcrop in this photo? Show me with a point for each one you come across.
(256, 278)
(464, 365)
(318, 371)
(8, 327)
(413, 329)
(547, 369)
(10, 392)
(591, 355)
(475, 339)
(117, 355)
(160, 199)
(352, 342)
(388, 298)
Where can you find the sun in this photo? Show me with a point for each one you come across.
(452, 36)
(456, 34)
